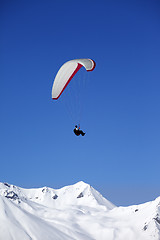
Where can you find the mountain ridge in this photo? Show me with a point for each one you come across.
(76, 212)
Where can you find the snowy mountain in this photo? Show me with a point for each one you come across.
(76, 212)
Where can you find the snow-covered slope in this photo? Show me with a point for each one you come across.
(76, 212)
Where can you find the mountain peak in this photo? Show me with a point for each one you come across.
(79, 193)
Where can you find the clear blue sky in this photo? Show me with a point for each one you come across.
(121, 157)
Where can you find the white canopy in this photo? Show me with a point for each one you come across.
(67, 72)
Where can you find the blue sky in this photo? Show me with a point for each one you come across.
(120, 154)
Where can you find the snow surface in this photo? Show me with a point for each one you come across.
(76, 212)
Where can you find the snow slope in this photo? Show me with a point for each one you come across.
(76, 212)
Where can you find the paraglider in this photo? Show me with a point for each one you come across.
(65, 74)
(77, 131)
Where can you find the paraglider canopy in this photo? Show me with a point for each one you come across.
(67, 72)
